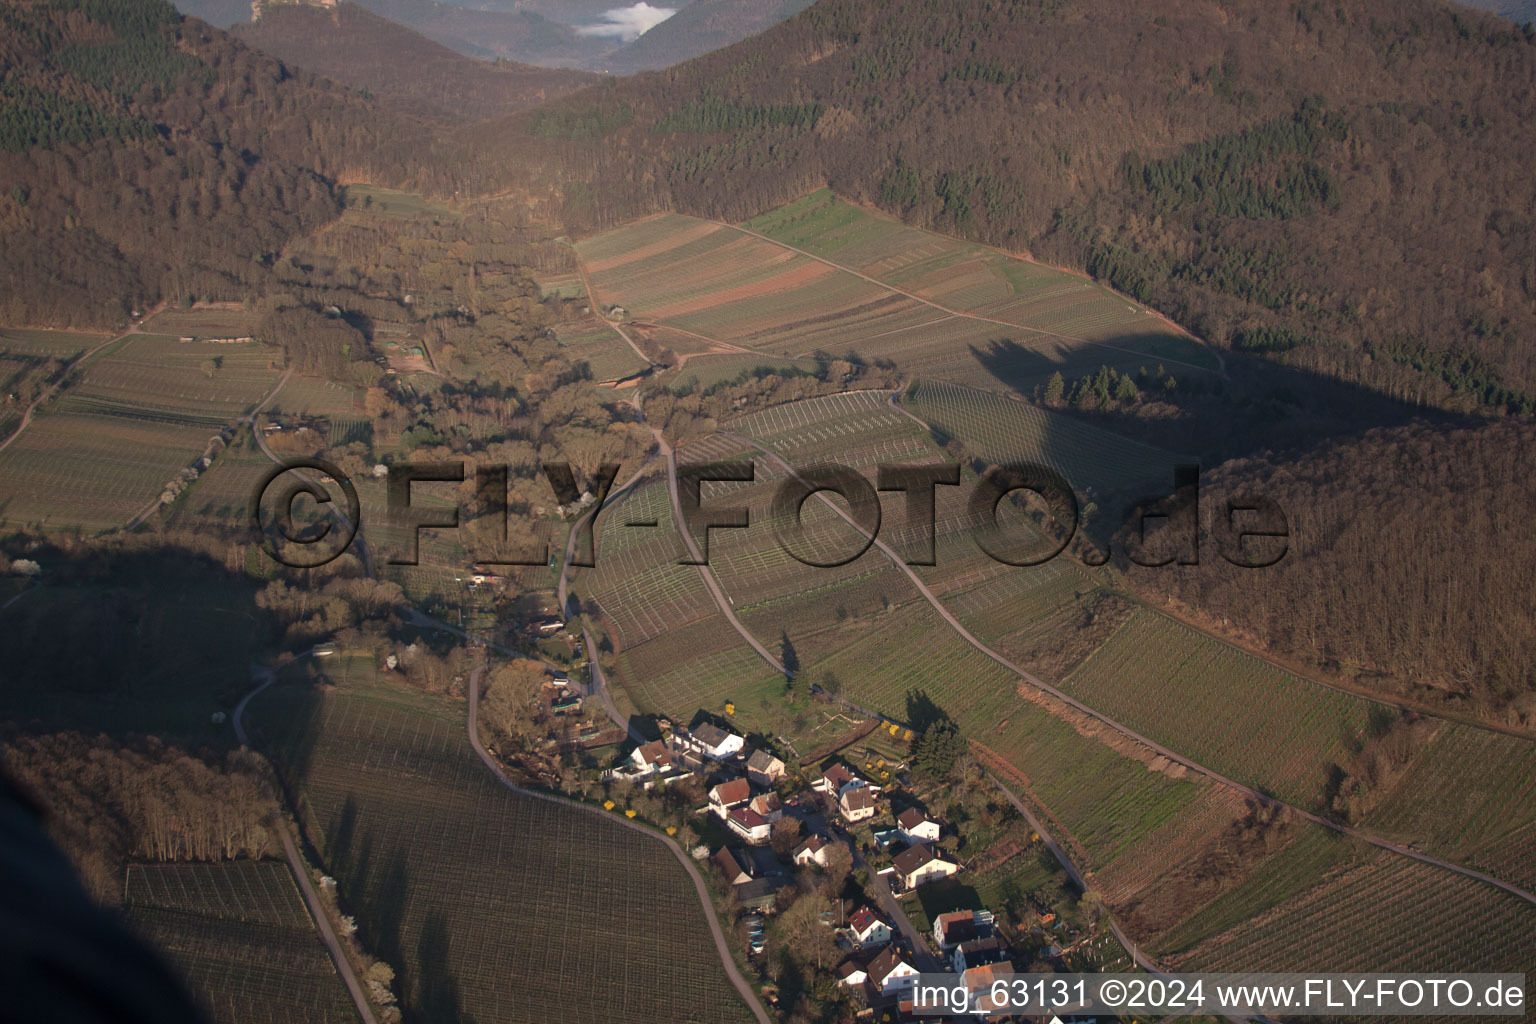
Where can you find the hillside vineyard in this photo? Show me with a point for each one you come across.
(778, 512)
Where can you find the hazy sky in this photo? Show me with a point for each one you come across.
(628, 22)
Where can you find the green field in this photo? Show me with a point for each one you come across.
(1469, 796)
(47, 344)
(1002, 431)
(822, 275)
(607, 355)
(203, 323)
(240, 937)
(491, 905)
(1384, 913)
(138, 414)
(1228, 710)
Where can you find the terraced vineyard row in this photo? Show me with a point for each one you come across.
(1001, 430)
(1107, 800)
(701, 665)
(1373, 918)
(494, 906)
(1223, 708)
(1469, 796)
(241, 939)
(94, 472)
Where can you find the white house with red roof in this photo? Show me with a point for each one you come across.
(728, 795)
(750, 825)
(868, 929)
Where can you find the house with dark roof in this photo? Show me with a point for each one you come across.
(768, 805)
(764, 769)
(858, 803)
(854, 971)
(651, 757)
(709, 740)
(891, 973)
(917, 827)
(920, 864)
(958, 926)
(731, 867)
(750, 825)
(836, 779)
(812, 851)
(980, 953)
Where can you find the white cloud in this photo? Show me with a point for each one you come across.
(628, 23)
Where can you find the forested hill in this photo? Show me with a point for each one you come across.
(146, 157)
(403, 68)
(1408, 570)
(1345, 187)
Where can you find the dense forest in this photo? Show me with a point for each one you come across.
(1408, 568)
(109, 802)
(1343, 188)
(146, 158)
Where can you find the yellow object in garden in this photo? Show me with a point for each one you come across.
(671, 830)
(730, 708)
(908, 735)
(607, 805)
(629, 813)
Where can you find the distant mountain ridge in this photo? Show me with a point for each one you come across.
(548, 33)
(357, 48)
(698, 28)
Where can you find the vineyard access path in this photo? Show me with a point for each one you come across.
(738, 980)
(1194, 766)
(1221, 364)
(74, 364)
(301, 871)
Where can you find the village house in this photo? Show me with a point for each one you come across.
(812, 851)
(854, 971)
(650, 758)
(858, 803)
(764, 769)
(957, 926)
(768, 805)
(920, 864)
(917, 827)
(836, 779)
(986, 996)
(867, 929)
(753, 875)
(731, 867)
(980, 953)
(709, 740)
(750, 825)
(890, 973)
(729, 795)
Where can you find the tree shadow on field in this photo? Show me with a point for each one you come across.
(1259, 405)
(434, 996)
